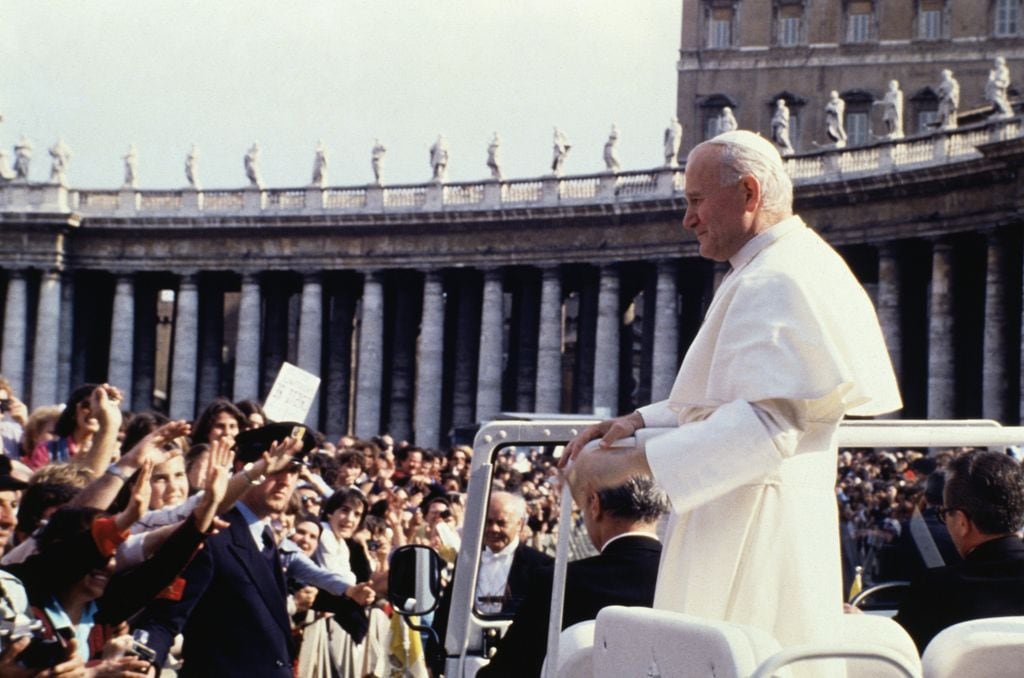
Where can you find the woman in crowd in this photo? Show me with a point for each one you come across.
(39, 428)
(253, 413)
(74, 430)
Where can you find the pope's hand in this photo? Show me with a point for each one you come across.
(608, 432)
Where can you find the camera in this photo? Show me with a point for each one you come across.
(372, 544)
(5, 405)
(41, 653)
(139, 647)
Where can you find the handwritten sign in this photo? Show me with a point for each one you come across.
(292, 394)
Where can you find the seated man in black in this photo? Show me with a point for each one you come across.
(620, 522)
(984, 509)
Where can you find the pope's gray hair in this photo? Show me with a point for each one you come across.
(747, 154)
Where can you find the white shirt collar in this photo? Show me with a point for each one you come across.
(506, 552)
(635, 533)
(254, 523)
(763, 239)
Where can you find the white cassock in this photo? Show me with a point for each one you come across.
(790, 344)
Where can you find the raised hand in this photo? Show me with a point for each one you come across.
(217, 477)
(139, 502)
(151, 447)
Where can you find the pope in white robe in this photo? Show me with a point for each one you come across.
(790, 345)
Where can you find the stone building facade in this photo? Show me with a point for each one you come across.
(425, 308)
(747, 54)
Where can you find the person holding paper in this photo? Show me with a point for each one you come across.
(789, 346)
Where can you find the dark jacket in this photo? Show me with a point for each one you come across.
(988, 583)
(625, 573)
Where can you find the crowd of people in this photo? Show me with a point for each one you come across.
(132, 496)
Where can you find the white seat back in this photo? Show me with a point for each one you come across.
(992, 647)
(875, 630)
(575, 648)
(629, 641)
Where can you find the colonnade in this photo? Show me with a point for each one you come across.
(421, 353)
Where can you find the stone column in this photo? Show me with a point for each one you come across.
(186, 349)
(888, 305)
(211, 342)
(12, 361)
(666, 332)
(47, 347)
(548, 396)
(66, 334)
(606, 358)
(430, 364)
(311, 326)
(122, 336)
(247, 345)
(940, 335)
(993, 354)
(492, 335)
(370, 366)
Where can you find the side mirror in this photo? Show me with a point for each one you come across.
(414, 579)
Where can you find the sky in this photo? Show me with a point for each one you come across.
(164, 74)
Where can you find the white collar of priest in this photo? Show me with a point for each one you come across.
(765, 238)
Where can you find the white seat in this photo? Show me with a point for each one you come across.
(640, 641)
(575, 647)
(634, 641)
(992, 647)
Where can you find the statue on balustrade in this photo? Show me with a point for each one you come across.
(252, 165)
(131, 165)
(439, 159)
(834, 112)
(672, 140)
(320, 165)
(949, 100)
(727, 121)
(995, 89)
(561, 148)
(60, 156)
(22, 158)
(493, 157)
(192, 168)
(892, 111)
(377, 162)
(6, 173)
(611, 151)
(780, 128)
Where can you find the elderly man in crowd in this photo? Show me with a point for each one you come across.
(983, 511)
(620, 522)
(789, 346)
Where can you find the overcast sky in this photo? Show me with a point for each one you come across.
(163, 74)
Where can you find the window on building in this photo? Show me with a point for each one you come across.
(859, 21)
(927, 121)
(712, 109)
(930, 19)
(923, 110)
(1007, 18)
(858, 128)
(789, 23)
(720, 27)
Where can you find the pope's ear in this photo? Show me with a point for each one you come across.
(751, 188)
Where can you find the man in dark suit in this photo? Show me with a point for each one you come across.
(620, 522)
(231, 607)
(984, 509)
(507, 568)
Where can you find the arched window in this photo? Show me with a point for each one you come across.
(924, 106)
(711, 112)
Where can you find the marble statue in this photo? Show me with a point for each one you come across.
(892, 111)
(439, 159)
(561, 149)
(995, 89)
(780, 128)
(377, 161)
(22, 158)
(320, 166)
(60, 156)
(727, 121)
(834, 112)
(949, 100)
(131, 166)
(493, 157)
(252, 165)
(672, 140)
(192, 167)
(6, 173)
(611, 151)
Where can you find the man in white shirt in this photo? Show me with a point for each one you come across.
(505, 563)
(789, 346)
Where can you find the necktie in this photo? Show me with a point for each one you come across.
(270, 553)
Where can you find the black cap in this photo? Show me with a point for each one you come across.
(250, 445)
(9, 483)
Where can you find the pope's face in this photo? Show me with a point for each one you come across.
(716, 214)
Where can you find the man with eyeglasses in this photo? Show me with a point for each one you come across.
(983, 510)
